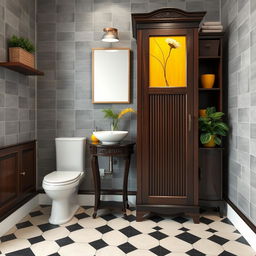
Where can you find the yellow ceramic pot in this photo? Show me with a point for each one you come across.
(211, 143)
(202, 112)
(207, 80)
(93, 138)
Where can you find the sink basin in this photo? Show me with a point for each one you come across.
(110, 137)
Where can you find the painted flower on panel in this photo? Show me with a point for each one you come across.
(173, 45)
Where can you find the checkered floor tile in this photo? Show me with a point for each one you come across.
(113, 235)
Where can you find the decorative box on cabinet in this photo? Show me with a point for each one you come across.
(17, 175)
(211, 159)
(167, 127)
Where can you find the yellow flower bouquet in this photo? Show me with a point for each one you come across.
(115, 117)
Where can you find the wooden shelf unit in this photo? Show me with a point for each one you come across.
(21, 68)
(211, 159)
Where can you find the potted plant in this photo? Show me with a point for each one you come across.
(212, 127)
(115, 117)
(20, 50)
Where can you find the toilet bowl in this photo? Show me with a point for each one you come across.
(62, 185)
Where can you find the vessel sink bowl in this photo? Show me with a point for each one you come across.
(110, 137)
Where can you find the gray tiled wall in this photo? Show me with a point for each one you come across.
(239, 18)
(66, 32)
(17, 92)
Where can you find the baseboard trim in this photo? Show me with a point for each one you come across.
(235, 216)
(17, 215)
(88, 200)
(103, 192)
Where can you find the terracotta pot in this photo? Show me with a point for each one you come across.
(20, 55)
(202, 112)
(207, 80)
(211, 143)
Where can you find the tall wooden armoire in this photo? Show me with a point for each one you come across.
(167, 98)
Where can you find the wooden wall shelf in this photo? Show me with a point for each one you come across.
(21, 68)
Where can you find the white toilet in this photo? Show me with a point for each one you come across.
(62, 185)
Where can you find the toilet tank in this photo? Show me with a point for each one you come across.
(70, 154)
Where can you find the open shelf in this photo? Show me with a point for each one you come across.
(215, 148)
(209, 57)
(209, 89)
(21, 68)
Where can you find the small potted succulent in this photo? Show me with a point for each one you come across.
(21, 50)
(212, 127)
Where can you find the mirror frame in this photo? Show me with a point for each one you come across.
(128, 78)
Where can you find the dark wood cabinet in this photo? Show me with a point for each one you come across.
(167, 127)
(17, 175)
(211, 159)
(27, 174)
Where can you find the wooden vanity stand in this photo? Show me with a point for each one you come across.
(124, 149)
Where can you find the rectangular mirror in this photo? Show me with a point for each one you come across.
(111, 75)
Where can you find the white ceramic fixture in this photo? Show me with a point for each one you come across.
(110, 137)
(62, 185)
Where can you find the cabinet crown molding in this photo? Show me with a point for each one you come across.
(163, 17)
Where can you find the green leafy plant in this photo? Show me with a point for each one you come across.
(21, 42)
(212, 124)
(115, 117)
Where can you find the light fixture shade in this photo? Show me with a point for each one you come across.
(110, 35)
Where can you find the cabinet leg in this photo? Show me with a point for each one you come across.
(97, 187)
(221, 209)
(195, 217)
(140, 215)
(125, 182)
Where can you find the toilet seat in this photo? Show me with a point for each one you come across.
(60, 178)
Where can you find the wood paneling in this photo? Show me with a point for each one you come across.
(17, 175)
(27, 172)
(8, 178)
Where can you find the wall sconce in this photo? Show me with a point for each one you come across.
(110, 35)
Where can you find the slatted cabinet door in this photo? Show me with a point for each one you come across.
(167, 114)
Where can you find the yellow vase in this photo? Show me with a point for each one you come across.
(202, 112)
(93, 138)
(207, 80)
(211, 143)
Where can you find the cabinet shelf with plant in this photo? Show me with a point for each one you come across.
(211, 122)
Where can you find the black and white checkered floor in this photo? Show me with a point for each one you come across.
(113, 235)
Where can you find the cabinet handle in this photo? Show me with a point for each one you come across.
(189, 122)
(23, 173)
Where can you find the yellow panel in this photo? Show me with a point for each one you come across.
(168, 61)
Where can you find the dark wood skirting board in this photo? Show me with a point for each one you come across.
(103, 192)
(241, 215)
(18, 205)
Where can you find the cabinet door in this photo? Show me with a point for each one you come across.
(210, 164)
(165, 118)
(27, 171)
(8, 180)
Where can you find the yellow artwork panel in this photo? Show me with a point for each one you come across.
(168, 61)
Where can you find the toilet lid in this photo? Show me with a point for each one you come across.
(59, 177)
